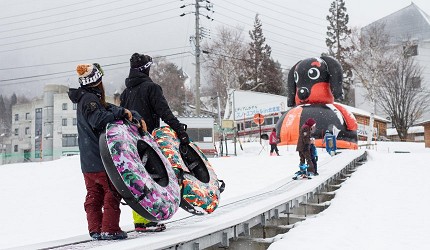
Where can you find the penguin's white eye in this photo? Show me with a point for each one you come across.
(313, 73)
(296, 77)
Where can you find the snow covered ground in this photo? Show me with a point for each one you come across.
(383, 205)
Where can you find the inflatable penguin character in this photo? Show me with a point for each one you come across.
(313, 84)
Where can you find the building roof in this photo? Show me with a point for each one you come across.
(409, 23)
(411, 130)
(357, 111)
(422, 123)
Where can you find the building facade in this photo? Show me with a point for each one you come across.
(410, 28)
(46, 128)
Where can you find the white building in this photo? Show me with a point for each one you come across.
(408, 27)
(44, 129)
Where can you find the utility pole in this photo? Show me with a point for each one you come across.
(197, 5)
(198, 35)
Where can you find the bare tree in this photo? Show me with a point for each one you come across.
(224, 60)
(391, 77)
(371, 57)
(401, 95)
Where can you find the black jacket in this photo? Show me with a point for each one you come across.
(146, 97)
(92, 119)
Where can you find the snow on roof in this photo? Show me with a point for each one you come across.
(357, 111)
(410, 21)
(422, 122)
(411, 130)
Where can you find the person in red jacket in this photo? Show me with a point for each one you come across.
(303, 143)
(273, 141)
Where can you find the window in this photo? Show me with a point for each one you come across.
(75, 121)
(268, 121)
(16, 117)
(70, 140)
(198, 134)
(64, 121)
(27, 130)
(27, 116)
(416, 82)
(16, 132)
(248, 124)
(410, 50)
(64, 106)
(15, 148)
(75, 106)
(38, 113)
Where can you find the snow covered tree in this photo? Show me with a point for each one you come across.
(171, 79)
(337, 42)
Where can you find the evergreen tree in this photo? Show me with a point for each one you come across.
(337, 36)
(273, 78)
(259, 56)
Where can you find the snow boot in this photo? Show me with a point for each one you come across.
(95, 236)
(114, 236)
(149, 227)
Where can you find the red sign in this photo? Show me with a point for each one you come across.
(259, 119)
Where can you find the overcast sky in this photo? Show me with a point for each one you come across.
(48, 37)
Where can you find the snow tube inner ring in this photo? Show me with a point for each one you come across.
(152, 163)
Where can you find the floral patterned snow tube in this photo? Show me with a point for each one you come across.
(139, 171)
(200, 187)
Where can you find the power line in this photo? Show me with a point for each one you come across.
(94, 34)
(79, 17)
(80, 31)
(80, 60)
(70, 71)
(57, 14)
(268, 31)
(38, 11)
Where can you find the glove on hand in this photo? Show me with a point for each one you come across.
(183, 138)
(316, 158)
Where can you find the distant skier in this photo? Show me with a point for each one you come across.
(304, 141)
(314, 155)
(273, 141)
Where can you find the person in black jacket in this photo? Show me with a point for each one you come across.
(146, 97)
(93, 114)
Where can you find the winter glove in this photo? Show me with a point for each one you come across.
(183, 138)
(316, 158)
(182, 135)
